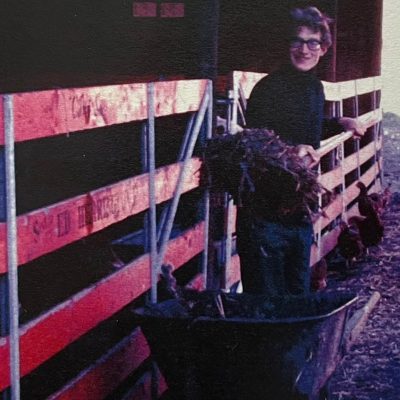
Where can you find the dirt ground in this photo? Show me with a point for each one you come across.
(371, 370)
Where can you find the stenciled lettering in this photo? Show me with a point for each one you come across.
(63, 223)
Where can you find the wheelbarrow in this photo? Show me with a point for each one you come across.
(286, 349)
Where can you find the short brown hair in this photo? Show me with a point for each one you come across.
(314, 19)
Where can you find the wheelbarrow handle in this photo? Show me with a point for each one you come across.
(357, 322)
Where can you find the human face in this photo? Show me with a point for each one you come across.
(302, 58)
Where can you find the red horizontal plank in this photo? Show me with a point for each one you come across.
(100, 379)
(54, 112)
(197, 283)
(328, 145)
(367, 152)
(328, 243)
(334, 209)
(50, 333)
(45, 230)
(175, 97)
(247, 80)
(353, 191)
(331, 179)
(329, 240)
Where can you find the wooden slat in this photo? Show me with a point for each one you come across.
(328, 243)
(54, 112)
(353, 191)
(247, 80)
(330, 180)
(331, 91)
(331, 212)
(371, 118)
(367, 152)
(377, 83)
(334, 91)
(333, 142)
(175, 97)
(197, 283)
(50, 228)
(365, 85)
(101, 378)
(347, 89)
(334, 209)
(329, 240)
(50, 333)
(377, 187)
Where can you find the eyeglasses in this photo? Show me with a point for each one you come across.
(312, 44)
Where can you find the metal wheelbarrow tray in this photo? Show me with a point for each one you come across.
(281, 348)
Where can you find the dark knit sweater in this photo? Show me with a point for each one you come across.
(291, 103)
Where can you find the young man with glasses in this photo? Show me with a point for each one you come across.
(274, 250)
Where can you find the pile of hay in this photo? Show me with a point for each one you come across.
(257, 168)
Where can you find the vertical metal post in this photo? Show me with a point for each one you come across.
(206, 200)
(235, 105)
(12, 254)
(145, 168)
(357, 141)
(319, 239)
(151, 228)
(4, 317)
(376, 165)
(152, 192)
(182, 152)
(181, 178)
(341, 157)
(341, 163)
(333, 158)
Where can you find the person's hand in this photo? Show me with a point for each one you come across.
(310, 156)
(355, 125)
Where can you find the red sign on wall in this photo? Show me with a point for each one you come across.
(172, 10)
(166, 9)
(144, 9)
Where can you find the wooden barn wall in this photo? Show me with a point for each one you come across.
(52, 43)
(55, 43)
(359, 39)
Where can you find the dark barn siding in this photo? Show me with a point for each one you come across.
(71, 43)
(359, 42)
(54, 43)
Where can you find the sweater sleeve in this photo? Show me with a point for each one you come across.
(260, 107)
(331, 127)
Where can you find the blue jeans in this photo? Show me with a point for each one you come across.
(274, 257)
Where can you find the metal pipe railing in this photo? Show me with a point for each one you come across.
(206, 200)
(181, 178)
(12, 249)
(152, 192)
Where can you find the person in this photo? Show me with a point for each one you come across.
(274, 250)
